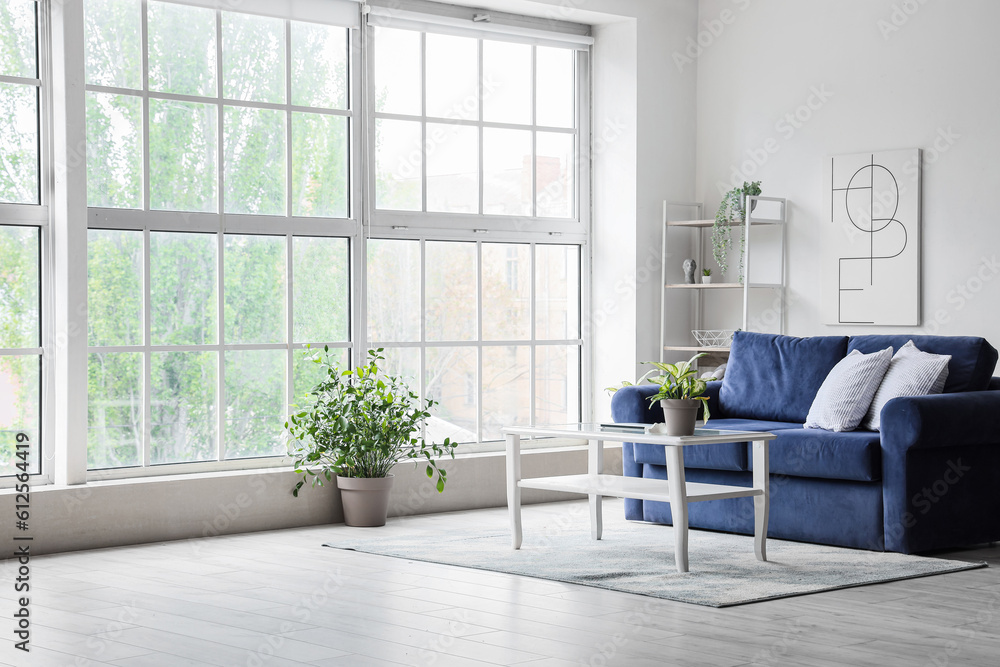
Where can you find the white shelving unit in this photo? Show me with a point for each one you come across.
(700, 291)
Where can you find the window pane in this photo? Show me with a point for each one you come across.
(506, 172)
(114, 288)
(253, 58)
(321, 267)
(114, 150)
(320, 169)
(20, 411)
(557, 384)
(555, 174)
(452, 77)
(451, 290)
(393, 290)
(308, 374)
(452, 168)
(398, 163)
(556, 87)
(404, 362)
(255, 289)
(114, 409)
(182, 156)
(506, 291)
(506, 82)
(183, 289)
(18, 143)
(506, 389)
(114, 44)
(452, 383)
(19, 293)
(255, 403)
(397, 71)
(319, 65)
(17, 39)
(182, 50)
(255, 161)
(557, 291)
(184, 421)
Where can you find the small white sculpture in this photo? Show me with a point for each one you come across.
(656, 429)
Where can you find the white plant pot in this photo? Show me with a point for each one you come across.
(706, 280)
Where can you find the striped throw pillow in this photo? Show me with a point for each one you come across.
(843, 399)
(911, 373)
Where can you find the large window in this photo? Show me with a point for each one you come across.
(22, 220)
(266, 177)
(476, 145)
(218, 173)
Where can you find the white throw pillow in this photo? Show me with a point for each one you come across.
(911, 373)
(843, 399)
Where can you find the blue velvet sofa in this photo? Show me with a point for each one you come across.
(929, 480)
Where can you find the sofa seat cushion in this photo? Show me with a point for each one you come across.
(722, 456)
(972, 363)
(807, 452)
(776, 377)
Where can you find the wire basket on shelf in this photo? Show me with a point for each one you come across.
(713, 337)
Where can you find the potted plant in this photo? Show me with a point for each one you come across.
(731, 210)
(706, 276)
(360, 424)
(681, 394)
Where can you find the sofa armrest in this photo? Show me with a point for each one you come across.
(941, 420)
(631, 404)
(940, 470)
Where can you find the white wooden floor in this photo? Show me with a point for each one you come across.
(280, 598)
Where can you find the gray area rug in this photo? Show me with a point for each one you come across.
(635, 557)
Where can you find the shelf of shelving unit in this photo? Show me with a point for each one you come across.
(711, 223)
(700, 289)
(720, 285)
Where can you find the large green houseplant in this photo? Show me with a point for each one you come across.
(731, 210)
(358, 425)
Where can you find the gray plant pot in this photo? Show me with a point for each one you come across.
(680, 415)
(365, 499)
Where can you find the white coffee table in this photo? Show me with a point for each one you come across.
(673, 490)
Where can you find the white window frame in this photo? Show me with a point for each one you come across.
(222, 224)
(38, 216)
(426, 226)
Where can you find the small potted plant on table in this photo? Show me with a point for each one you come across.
(706, 276)
(680, 395)
(360, 424)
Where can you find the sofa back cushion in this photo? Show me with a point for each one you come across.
(776, 377)
(972, 358)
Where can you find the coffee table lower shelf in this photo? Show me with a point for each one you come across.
(616, 486)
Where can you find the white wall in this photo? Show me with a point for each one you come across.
(891, 79)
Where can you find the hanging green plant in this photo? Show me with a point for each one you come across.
(730, 211)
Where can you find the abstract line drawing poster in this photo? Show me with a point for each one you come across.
(871, 239)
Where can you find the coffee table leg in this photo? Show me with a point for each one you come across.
(678, 504)
(761, 503)
(595, 466)
(513, 490)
